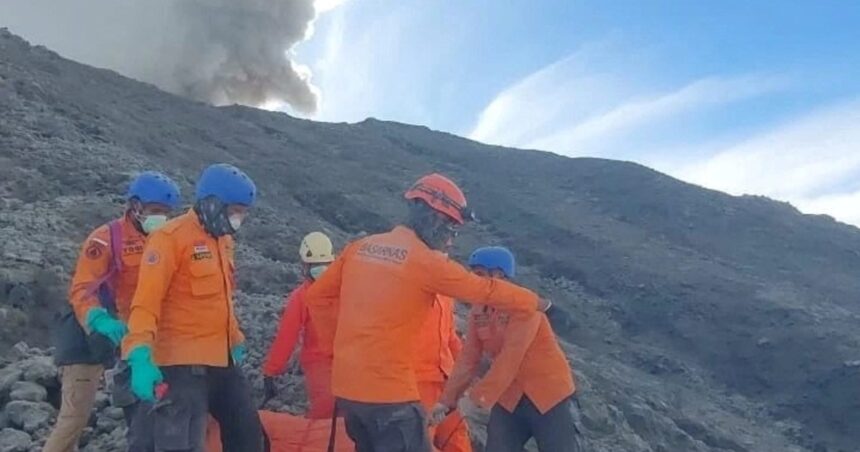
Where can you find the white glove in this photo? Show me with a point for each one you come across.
(439, 413)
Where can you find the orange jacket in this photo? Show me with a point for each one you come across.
(183, 305)
(527, 360)
(295, 321)
(93, 263)
(377, 295)
(438, 343)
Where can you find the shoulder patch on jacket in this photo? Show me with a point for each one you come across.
(95, 249)
(152, 257)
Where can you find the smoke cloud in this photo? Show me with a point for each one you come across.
(216, 51)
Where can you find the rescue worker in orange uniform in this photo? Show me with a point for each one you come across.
(529, 386)
(183, 329)
(316, 252)
(438, 348)
(377, 295)
(87, 340)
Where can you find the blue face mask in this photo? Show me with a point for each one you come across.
(317, 271)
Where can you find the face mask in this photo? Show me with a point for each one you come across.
(151, 223)
(316, 271)
(236, 222)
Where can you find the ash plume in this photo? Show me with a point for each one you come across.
(216, 51)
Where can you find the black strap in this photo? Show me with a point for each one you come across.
(333, 431)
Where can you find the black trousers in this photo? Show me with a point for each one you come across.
(385, 427)
(179, 421)
(554, 431)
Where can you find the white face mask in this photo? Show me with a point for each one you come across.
(151, 223)
(317, 271)
(236, 221)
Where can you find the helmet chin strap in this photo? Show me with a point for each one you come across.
(134, 212)
(212, 214)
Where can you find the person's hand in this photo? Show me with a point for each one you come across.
(467, 405)
(237, 353)
(270, 390)
(145, 375)
(101, 322)
(439, 413)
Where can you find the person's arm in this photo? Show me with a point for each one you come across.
(447, 277)
(92, 265)
(287, 337)
(157, 267)
(519, 336)
(465, 367)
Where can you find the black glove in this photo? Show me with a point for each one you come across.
(560, 319)
(270, 390)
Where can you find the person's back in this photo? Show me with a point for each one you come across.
(378, 293)
(388, 283)
(529, 385)
(384, 301)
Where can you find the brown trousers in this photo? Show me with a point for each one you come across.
(80, 383)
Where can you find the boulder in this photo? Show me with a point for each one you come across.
(20, 351)
(41, 370)
(8, 377)
(114, 413)
(102, 400)
(27, 390)
(12, 440)
(29, 416)
(105, 424)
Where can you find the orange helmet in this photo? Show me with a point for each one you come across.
(442, 195)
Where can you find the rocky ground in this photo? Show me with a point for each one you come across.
(704, 322)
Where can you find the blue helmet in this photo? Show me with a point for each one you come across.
(494, 258)
(227, 183)
(152, 187)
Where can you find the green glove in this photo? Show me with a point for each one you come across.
(144, 373)
(101, 322)
(238, 353)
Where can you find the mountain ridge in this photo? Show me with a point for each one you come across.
(704, 321)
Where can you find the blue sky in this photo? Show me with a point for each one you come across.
(755, 97)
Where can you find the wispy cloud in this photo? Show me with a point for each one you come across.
(698, 95)
(586, 105)
(812, 161)
(582, 104)
(558, 95)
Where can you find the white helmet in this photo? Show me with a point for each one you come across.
(316, 248)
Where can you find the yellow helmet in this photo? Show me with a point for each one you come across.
(316, 248)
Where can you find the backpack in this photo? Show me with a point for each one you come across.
(72, 345)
